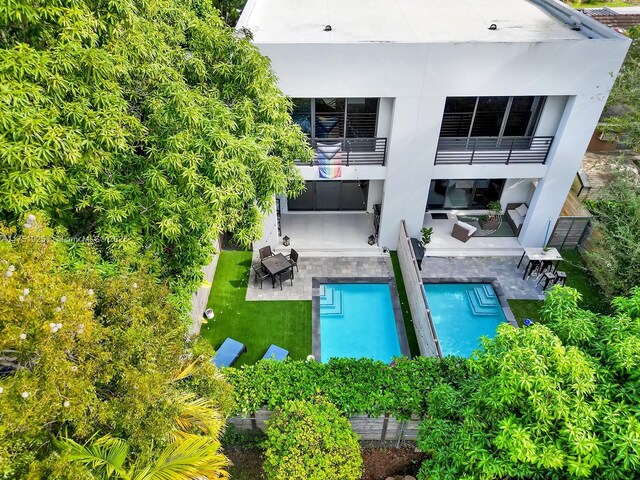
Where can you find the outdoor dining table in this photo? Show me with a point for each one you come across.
(541, 255)
(274, 265)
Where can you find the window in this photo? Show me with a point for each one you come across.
(464, 194)
(491, 116)
(332, 195)
(336, 117)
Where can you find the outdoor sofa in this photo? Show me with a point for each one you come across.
(463, 231)
(228, 353)
(515, 215)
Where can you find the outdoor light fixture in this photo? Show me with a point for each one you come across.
(286, 241)
(493, 26)
(372, 240)
(327, 28)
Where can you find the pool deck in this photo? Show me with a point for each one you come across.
(474, 269)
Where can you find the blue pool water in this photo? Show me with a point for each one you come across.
(356, 320)
(462, 313)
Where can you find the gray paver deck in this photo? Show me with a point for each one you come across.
(502, 268)
(319, 267)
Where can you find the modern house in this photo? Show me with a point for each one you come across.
(417, 107)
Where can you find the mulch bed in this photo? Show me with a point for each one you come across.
(379, 463)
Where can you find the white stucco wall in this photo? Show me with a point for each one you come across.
(414, 81)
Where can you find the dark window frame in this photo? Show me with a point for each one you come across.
(313, 117)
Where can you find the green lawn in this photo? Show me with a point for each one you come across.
(603, 3)
(578, 277)
(404, 303)
(255, 324)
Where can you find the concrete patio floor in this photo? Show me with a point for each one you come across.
(309, 267)
(502, 268)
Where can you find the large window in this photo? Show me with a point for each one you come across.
(464, 194)
(336, 117)
(491, 116)
(349, 195)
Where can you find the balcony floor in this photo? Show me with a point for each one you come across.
(444, 245)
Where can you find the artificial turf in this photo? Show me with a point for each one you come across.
(404, 303)
(256, 324)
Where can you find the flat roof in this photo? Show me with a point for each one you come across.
(413, 21)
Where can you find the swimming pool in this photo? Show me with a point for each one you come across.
(357, 320)
(462, 313)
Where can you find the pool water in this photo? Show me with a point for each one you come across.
(356, 320)
(462, 313)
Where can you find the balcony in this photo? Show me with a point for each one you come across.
(486, 150)
(353, 151)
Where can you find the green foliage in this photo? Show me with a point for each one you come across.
(311, 441)
(150, 125)
(615, 254)
(541, 405)
(621, 121)
(361, 386)
(495, 207)
(426, 234)
(83, 354)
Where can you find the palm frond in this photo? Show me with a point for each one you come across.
(195, 458)
(105, 456)
(198, 414)
(185, 371)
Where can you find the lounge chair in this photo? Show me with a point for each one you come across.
(275, 353)
(228, 353)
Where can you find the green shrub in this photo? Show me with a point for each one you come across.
(362, 386)
(311, 441)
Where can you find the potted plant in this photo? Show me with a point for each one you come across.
(426, 235)
(490, 221)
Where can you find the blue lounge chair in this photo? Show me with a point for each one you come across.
(228, 353)
(275, 353)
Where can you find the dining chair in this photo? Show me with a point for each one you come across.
(293, 258)
(265, 252)
(259, 274)
(286, 275)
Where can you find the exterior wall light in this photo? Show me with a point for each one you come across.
(372, 240)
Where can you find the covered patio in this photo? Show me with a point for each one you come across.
(328, 234)
(503, 242)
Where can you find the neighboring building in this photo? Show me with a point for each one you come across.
(620, 19)
(423, 105)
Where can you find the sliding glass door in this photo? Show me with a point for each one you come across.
(464, 194)
(329, 195)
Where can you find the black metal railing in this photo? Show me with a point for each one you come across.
(348, 151)
(470, 150)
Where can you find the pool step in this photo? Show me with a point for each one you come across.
(330, 301)
(483, 301)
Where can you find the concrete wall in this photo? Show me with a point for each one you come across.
(383, 428)
(414, 80)
(422, 322)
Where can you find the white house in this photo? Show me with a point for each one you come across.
(424, 106)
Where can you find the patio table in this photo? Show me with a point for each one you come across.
(540, 255)
(274, 265)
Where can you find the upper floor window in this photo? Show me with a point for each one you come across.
(336, 117)
(491, 116)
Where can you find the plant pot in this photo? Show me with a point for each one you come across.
(490, 224)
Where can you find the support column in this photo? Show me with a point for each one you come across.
(269, 230)
(565, 158)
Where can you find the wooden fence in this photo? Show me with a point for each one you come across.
(570, 232)
(383, 428)
(201, 296)
(420, 313)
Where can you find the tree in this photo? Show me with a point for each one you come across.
(311, 441)
(84, 354)
(621, 121)
(150, 125)
(544, 405)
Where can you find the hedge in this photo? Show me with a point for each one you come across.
(356, 387)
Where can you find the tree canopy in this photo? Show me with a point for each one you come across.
(84, 355)
(149, 124)
(621, 119)
(551, 401)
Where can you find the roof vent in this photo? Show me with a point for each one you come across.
(327, 28)
(493, 26)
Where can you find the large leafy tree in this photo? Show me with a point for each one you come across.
(544, 405)
(621, 121)
(147, 123)
(84, 355)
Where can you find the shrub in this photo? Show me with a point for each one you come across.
(309, 441)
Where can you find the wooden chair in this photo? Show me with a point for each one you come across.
(286, 275)
(259, 274)
(293, 259)
(265, 252)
